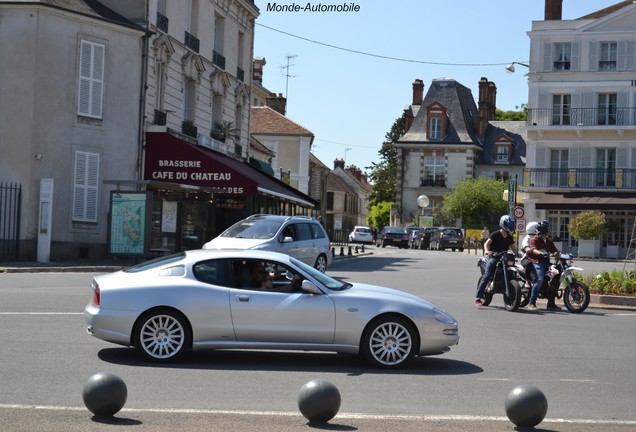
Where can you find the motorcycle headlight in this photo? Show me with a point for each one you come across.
(510, 263)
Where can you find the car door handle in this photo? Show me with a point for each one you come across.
(243, 298)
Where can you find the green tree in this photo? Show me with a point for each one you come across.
(226, 130)
(478, 202)
(588, 225)
(512, 115)
(380, 215)
(383, 175)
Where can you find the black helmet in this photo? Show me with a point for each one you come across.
(507, 223)
(543, 228)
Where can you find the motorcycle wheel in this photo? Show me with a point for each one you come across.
(576, 297)
(513, 300)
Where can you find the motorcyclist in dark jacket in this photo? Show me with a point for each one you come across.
(499, 241)
(539, 249)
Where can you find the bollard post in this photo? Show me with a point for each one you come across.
(349, 250)
(341, 250)
(333, 251)
(356, 248)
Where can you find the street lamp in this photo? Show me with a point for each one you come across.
(511, 67)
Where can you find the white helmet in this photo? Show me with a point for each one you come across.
(532, 228)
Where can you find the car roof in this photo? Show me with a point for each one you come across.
(280, 218)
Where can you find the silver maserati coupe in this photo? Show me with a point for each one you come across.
(241, 299)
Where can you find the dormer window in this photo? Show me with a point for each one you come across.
(503, 150)
(435, 121)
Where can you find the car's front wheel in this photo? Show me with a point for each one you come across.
(162, 335)
(321, 263)
(389, 342)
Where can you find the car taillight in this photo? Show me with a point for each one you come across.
(96, 294)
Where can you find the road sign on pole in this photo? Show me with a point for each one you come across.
(518, 212)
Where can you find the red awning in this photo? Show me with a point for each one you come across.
(172, 160)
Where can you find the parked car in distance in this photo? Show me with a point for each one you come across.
(447, 238)
(393, 236)
(302, 237)
(208, 299)
(361, 234)
(423, 238)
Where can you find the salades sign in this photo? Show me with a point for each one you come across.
(172, 160)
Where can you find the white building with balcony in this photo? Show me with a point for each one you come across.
(581, 126)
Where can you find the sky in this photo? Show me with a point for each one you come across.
(348, 75)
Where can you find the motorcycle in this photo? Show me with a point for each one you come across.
(575, 294)
(505, 280)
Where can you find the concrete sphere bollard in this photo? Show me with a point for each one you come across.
(526, 405)
(319, 400)
(105, 394)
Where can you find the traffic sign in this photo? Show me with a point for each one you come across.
(520, 225)
(518, 212)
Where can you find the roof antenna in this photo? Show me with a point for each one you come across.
(287, 75)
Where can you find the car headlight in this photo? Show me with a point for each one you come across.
(443, 317)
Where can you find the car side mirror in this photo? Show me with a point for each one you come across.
(309, 287)
(287, 239)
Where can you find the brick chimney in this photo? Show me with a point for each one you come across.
(418, 91)
(257, 70)
(487, 105)
(553, 9)
(338, 163)
(277, 103)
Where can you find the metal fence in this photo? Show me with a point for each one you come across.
(10, 205)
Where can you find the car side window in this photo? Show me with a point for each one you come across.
(317, 231)
(303, 231)
(288, 231)
(214, 272)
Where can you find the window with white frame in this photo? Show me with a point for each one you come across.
(91, 79)
(85, 186)
(607, 59)
(561, 104)
(562, 56)
(433, 171)
(503, 152)
(435, 131)
(607, 108)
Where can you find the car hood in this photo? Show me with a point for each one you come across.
(234, 243)
(374, 291)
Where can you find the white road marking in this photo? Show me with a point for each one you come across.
(339, 416)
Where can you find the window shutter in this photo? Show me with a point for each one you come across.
(547, 57)
(573, 157)
(86, 178)
(630, 55)
(541, 161)
(622, 155)
(575, 53)
(91, 79)
(586, 158)
(593, 56)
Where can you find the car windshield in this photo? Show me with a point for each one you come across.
(253, 229)
(395, 230)
(329, 282)
(363, 230)
(147, 265)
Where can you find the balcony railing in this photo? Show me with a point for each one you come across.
(579, 178)
(577, 117)
(432, 183)
(218, 59)
(192, 42)
(162, 22)
(160, 118)
(188, 128)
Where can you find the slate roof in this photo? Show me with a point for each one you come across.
(515, 130)
(92, 8)
(461, 111)
(608, 10)
(266, 121)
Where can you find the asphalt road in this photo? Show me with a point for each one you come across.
(582, 363)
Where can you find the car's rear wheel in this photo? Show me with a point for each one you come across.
(162, 335)
(389, 342)
(321, 263)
